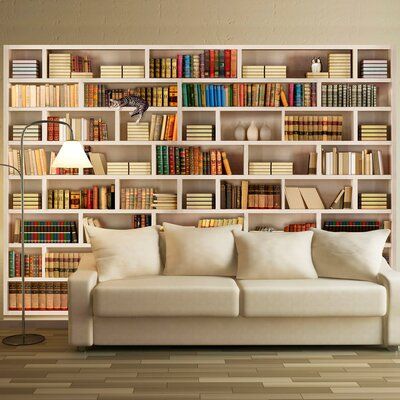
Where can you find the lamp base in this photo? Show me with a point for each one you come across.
(23, 340)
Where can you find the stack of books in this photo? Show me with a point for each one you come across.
(368, 132)
(217, 222)
(136, 198)
(366, 162)
(374, 69)
(317, 75)
(281, 168)
(61, 265)
(33, 133)
(343, 199)
(32, 265)
(339, 65)
(25, 69)
(141, 220)
(32, 201)
(164, 201)
(275, 71)
(140, 168)
(81, 75)
(253, 71)
(200, 132)
(259, 168)
(299, 227)
(118, 168)
(59, 65)
(373, 201)
(110, 71)
(199, 201)
(133, 71)
(140, 131)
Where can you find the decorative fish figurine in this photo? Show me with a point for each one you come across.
(137, 102)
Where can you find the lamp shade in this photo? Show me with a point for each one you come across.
(71, 155)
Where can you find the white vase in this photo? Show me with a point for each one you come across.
(252, 131)
(265, 132)
(240, 132)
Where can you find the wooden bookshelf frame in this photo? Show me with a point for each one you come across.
(218, 116)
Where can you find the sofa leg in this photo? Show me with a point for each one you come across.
(392, 348)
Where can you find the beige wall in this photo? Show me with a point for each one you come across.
(199, 21)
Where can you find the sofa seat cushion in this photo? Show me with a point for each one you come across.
(167, 296)
(311, 298)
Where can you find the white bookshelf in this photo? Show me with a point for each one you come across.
(297, 58)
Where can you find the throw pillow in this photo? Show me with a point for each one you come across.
(348, 255)
(274, 255)
(200, 251)
(126, 253)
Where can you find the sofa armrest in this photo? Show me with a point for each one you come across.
(80, 311)
(390, 278)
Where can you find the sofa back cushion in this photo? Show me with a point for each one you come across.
(126, 253)
(274, 255)
(200, 251)
(348, 255)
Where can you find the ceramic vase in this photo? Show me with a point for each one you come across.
(240, 132)
(265, 132)
(252, 131)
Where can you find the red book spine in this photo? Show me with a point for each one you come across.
(171, 157)
(291, 94)
(227, 63)
(50, 127)
(212, 63)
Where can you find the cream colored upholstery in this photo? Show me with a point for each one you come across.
(391, 280)
(80, 310)
(311, 298)
(167, 296)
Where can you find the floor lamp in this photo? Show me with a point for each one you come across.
(71, 155)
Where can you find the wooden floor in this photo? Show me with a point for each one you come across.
(54, 370)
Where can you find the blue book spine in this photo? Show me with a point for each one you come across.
(186, 66)
(207, 96)
(223, 99)
(219, 96)
(211, 95)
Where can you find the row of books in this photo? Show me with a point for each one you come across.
(207, 64)
(39, 296)
(172, 160)
(30, 96)
(218, 222)
(349, 95)
(200, 132)
(25, 69)
(141, 220)
(249, 95)
(161, 127)
(355, 226)
(32, 201)
(313, 127)
(46, 232)
(61, 265)
(270, 168)
(66, 65)
(97, 95)
(374, 69)
(366, 162)
(299, 227)
(129, 168)
(374, 201)
(32, 265)
(200, 201)
(121, 71)
(35, 161)
(97, 197)
(147, 199)
(248, 196)
(93, 129)
(264, 71)
(368, 132)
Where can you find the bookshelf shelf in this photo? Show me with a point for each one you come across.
(240, 153)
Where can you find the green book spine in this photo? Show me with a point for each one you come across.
(184, 95)
(159, 160)
(165, 160)
(177, 163)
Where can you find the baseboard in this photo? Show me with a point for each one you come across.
(6, 324)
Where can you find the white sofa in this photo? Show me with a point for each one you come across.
(211, 310)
